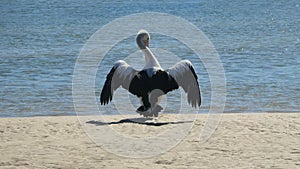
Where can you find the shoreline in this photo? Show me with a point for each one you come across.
(225, 112)
(249, 140)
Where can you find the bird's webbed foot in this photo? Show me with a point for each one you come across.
(149, 112)
(142, 108)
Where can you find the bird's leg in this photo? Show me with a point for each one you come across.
(146, 104)
(156, 110)
(154, 98)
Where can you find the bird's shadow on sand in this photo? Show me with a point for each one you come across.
(142, 121)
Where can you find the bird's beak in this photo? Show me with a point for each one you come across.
(146, 42)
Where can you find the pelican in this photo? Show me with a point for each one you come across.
(152, 81)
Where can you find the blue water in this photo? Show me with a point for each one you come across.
(258, 43)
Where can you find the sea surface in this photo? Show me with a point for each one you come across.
(258, 43)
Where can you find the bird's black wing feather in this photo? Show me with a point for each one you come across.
(120, 74)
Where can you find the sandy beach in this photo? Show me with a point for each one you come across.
(254, 140)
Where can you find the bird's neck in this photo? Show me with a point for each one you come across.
(151, 61)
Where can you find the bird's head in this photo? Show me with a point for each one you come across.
(142, 39)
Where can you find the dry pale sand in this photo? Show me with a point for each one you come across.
(258, 140)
